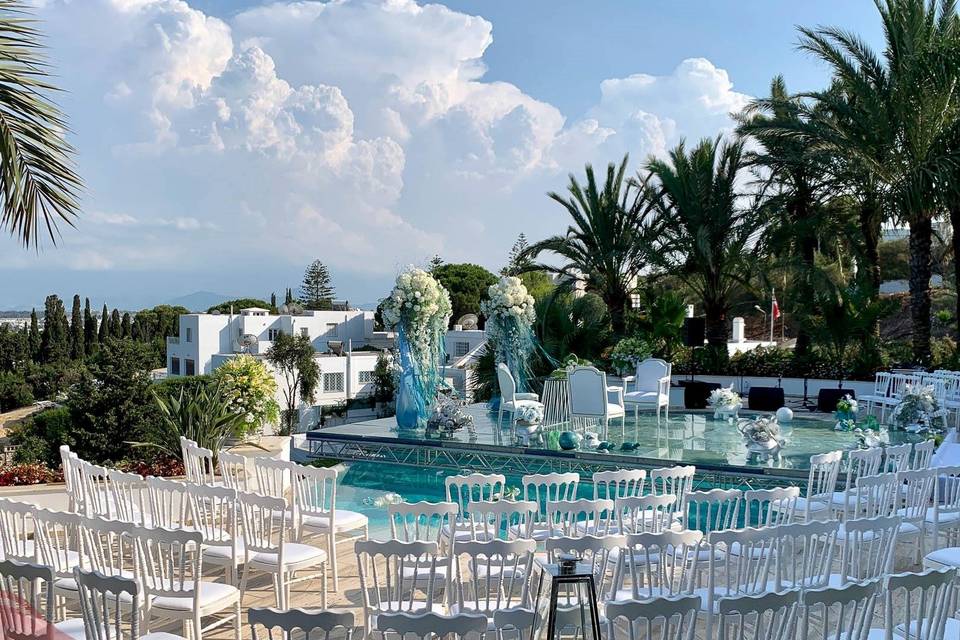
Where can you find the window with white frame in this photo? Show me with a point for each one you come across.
(191, 367)
(332, 382)
(461, 348)
(272, 334)
(365, 377)
(174, 366)
(189, 336)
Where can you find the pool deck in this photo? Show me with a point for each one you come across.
(687, 437)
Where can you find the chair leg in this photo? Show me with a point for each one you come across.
(500, 414)
(236, 621)
(666, 410)
(244, 574)
(197, 632)
(333, 562)
(323, 597)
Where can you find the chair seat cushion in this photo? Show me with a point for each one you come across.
(614, 410)
(942, 517)
(343, 520)
(73, 628)
(294, 553)
(948, 556)
(211, 594)
(637, 397)
(160, 635)
(220, 553)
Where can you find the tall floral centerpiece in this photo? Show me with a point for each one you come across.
(510, 314)
(919, 411)
(418, 309)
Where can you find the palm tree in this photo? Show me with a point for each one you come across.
(708, 235)
(793, 175)
(37, 180)
(895, 114)
(608, 244)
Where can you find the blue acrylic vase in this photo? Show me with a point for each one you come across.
(409, 405)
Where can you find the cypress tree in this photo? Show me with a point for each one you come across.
(116, 328)
(34, 336)
(273, 300)
(104, 331)
(77, 350)
(89, 330)
(125, 326)
(55, 337)
(288, 298)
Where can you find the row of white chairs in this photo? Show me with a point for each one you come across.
(890, 386)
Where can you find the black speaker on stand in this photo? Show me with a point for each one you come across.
(695, 394)
(694, 332)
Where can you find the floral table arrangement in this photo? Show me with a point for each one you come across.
(761, 435)
(529, 419)
(448, 417)
(725, 402)
(846, 413)
(919, 412)
(510, 313)
(419, 310)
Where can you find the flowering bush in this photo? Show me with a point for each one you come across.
(160, 467)
(724, 398)
(530, 413)
(252, 390)
(630, 352)
(24, 474)
(919, 410)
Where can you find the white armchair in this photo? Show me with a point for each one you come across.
(510, 400)
(651, 386)
(590, 397)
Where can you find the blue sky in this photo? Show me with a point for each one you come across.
(226, 143)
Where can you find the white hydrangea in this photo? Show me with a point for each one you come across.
(421, 305)
(508, 300)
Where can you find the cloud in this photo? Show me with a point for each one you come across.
(362, 132)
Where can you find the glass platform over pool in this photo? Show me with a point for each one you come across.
(686, 437)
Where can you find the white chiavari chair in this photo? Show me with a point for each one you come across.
(770, 507)
(432, 626)
(493, 575)
(235, 472)
(110, 606)
(313, 624)
(505, 519)
(838, 612)
(57, 538)
(595, 553)
(108, 546)
(917, 606)
(267, 526)
(943, 517)
(315, 503)
(916, 490)
(667, 618)
(805, 554)
(816, 503)
(923, 454)
(867, 549)
(765, 616)
(674, 481)
(16, 525)
(274, 477)
(168, 502)
(860, 463)
(68, 462)
(94, 482)
(27, 604)
(649, 513)
(463, 489)
(544, 488)
(618, 483)
(129, 497)
(657, 565)
(198, 464)
(713, 510)
(420, 521)
(880, 393)
(896, 458)
(581, 517)
(213, 512)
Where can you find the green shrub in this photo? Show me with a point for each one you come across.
(39, 438)
(14, 392)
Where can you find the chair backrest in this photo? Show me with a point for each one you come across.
(508, 386)
(68, 461)
(713, 510)
(619, 483)
(314, 491)
(741, 561)
(463, 489)
(916, 491)
(667, 618)
(198, 464)
(597, 553)
(549, 487)
(274, 476)
(267, 524)
(805, 553)
(896, 458)
(107, 614)
(94, 483)
(573, 518)
(924, 600)
(235, 472)
(588, 392)
(659, 564)
(923, 454)
(26, 600)
(56, 535)
(168, 502)
(649, 513)
(764, 616)
(868, 548)
(649, 372)
(16, 524)
(946, 495)
(844, 612)
(213, 512)
(873, 497)
(421, 521)
(387, 571)
(430, 625)
(108, 545)
(129, 497)
(674, 481)
(770, 507)
(881, 383)
(899, 383)
(169, 563)
(862, 462)
(315, 624)
(503, 518)
(492, 575)
(822, 479)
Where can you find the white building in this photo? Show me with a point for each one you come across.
(463, 347)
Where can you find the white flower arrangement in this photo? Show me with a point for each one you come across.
(421, 305)
(847, 404)
(508, 304)
(724, 398)
(919, 410)
(530, 413)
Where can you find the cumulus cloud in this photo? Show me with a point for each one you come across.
(359, 131)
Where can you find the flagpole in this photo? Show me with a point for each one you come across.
(773, 301)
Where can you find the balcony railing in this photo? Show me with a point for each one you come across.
(173, 340)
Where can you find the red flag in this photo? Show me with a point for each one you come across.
(776, 309)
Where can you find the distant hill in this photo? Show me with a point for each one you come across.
(199, 301)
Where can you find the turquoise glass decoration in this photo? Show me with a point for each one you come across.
(408, 402)
(570, 440)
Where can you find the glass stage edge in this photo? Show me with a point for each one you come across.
(686, 437)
